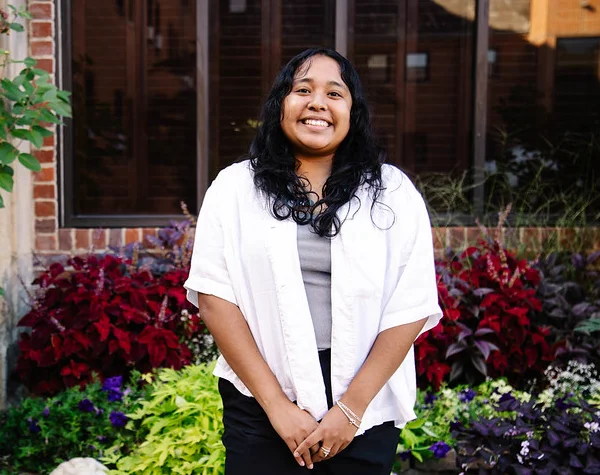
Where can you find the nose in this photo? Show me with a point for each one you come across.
(316, 105)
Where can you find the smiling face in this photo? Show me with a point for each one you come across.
(316, 112)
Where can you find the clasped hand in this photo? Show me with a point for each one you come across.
(305, 437)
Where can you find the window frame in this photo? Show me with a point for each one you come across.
(65, 137)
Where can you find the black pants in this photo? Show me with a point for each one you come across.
(254, 448)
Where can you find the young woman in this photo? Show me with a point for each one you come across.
(313, 270)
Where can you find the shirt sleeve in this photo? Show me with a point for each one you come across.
(208, 270)
(412, 285)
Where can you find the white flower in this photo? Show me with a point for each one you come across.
(80, 466)
(592, 426)
(524, 448)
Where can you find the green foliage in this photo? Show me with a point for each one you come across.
(29, 105)
(179, 426)
(41, 433)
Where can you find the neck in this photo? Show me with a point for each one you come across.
(313, 166)
(316, 171)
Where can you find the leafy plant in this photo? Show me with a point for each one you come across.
(489, 302)
(107, 316)
(41, 433)
(29, 105)
(179, 426)
(563, 438)
(570, 295)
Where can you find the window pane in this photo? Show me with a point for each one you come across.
(376, 42)
(247, 51)
(437, 98)
(236, 65)
(304, 24)
(134, 106)
(169, 163)
(415, 59)
(543, 113)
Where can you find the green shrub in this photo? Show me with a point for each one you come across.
(179, 426)
(41, 433)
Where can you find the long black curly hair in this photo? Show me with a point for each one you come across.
(356, 162)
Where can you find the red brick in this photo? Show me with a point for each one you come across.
(46, 64)
(44, 156)
(586, 237)
(456, 238)
(99, 238)
(46, 242)
(41, 11)
(44, 209)
(596, 244)
(82, 238)
(41, 48)
(132, 235)
(148, 232)
(510, 237)
(115, 237)
(439, 238)
(43, 191)
(45, 225)
(49, 141)
(46, 174)
(41, 29)
(65, 239)
(548, 237)
(567, 238)
(473, 235)
(530, 240)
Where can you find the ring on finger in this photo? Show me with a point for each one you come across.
(326, 451)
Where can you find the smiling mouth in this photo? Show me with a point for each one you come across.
(315, 122)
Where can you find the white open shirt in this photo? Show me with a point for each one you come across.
(382, 275)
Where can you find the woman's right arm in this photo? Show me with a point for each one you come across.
(232, 335)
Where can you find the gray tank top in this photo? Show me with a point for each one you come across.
(315, 263)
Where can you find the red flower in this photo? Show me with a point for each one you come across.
(488, 298)
(103, 316)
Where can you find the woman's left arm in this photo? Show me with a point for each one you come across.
(335, 432)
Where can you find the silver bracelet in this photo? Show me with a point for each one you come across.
(349, 411)
(353, 419)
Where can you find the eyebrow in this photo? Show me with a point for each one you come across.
(329, 83)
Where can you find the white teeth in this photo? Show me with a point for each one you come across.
(318, 123)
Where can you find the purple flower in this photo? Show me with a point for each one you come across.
(86, 405)
(118, 419)
(440, 449)
(467, 395)
(101, 438)
(113, 384)
(114, 395)
(33, 425)
(113, 387)
(46, 412)
(430, 398)
(404, 455)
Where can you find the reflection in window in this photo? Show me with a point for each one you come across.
(492, 62)
(415, 60)
(543, 144)
(417, 67)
